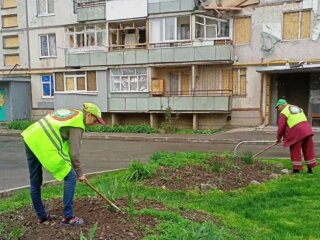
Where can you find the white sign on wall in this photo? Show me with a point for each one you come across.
(126, 9)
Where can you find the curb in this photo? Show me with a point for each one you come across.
(8, 192)
(17, 133)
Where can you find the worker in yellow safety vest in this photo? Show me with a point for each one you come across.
(296, 132)
(53, 143)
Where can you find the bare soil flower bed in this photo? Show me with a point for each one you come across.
(221, 173)
(218, 172)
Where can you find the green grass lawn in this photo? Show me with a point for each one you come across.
(285, 208)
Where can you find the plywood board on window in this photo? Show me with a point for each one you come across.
(69, 83)
(305, 25)
(185, 82)
(9, 3)
(9, 21)
(92, 82)
(11, 60)
(291, 25)
(11, 41)
(242, 30)
(81, 83)
(226, 76)
(59, 83)
(157, 87)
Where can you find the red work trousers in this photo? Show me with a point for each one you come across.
(306, 145)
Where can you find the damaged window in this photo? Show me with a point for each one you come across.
(129, 80)
(235, 80)
(296, 25)
(88, 36)
(127, 35)
(211, 28)
(170, 29)
(76, 82)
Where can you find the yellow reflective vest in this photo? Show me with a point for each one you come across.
(45, 141)
(294, 115)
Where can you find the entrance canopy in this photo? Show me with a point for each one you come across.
(290, 68)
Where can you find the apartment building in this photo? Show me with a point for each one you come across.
(214, 63)
(15, 101)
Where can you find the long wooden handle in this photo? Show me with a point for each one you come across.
(101, 195)
(264, 149)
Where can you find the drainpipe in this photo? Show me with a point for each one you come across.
(28, 37)
(29, 59)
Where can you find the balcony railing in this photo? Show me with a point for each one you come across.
(205, 93)
(90, 3)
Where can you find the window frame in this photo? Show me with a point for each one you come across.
(136, 75)
(7, 37)
(239, 73)
(48, 45)
(234, 30)
(218, 27)
(7, 55)
(76, 75)
(85, 33)
(9, 15)
(13, 6)
(163, 23)
(51, 84)
(46, 13)
(299, 24)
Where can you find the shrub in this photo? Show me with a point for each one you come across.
(109, 189)
(140, 171)
(143, 128)
(19, 125)
(247, 157)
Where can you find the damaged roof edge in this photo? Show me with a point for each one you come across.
(229, 5)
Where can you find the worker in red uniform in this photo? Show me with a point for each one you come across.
(296, 132)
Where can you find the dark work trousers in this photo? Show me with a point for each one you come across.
(36, 179)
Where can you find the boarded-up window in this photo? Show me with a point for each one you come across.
(296, 25)
(11, 41)
(9, 21)
(92, 83)
(69, 83)
(59, 83)
(11, 59)
(235, 80)
(9, 4)
(242, 30)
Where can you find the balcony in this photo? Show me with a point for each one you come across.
(165, 6)
(88, 10)
(214, 101)
(219, 53)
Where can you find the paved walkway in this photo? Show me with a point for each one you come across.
(231, 136)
